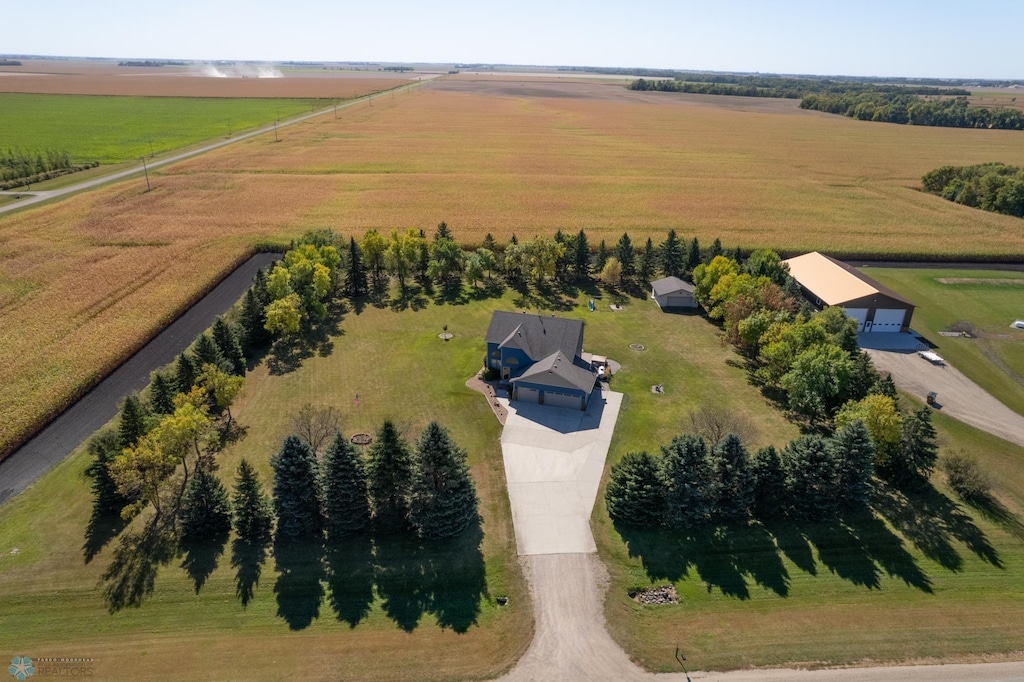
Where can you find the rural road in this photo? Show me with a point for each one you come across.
(65, 433)
(36, 197)
(958, 396)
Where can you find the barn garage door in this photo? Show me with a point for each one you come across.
(527, 395)
(555, 399)
(678, 302)
(859, 314)
(888, 320)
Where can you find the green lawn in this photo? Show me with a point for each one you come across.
(924, 578)
(110, 129)
(995, 359)
(359, 612)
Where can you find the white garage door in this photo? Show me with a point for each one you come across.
(561, 400)
(887, 320)
(527, 395)
(859, 314)
(678, 302)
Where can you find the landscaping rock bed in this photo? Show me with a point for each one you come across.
(658, 388)
(663, 594)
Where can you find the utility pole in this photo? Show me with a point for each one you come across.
(146, 171)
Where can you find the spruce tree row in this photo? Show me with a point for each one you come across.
(692, 485)
(426, 490)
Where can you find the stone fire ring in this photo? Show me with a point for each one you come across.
(362, 439)
(445, 336)
(636, 346)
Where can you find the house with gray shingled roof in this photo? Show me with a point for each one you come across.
(540, 357)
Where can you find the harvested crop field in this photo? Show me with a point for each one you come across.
(85, 78)
(84, 281)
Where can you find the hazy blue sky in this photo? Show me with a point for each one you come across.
(857, 37)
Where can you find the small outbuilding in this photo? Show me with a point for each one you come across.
(672, 292)
(828, 282)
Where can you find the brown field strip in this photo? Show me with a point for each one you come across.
(76, 297)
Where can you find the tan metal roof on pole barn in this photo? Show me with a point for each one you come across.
(834, 282)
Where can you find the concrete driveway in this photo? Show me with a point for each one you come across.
(554, 458)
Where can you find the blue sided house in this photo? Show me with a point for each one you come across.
(541, 358)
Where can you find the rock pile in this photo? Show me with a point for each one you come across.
(663, 594)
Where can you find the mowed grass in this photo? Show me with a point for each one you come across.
(927, 579)
(112, 129)
(990, 300)
(86, 281)
(51, 601)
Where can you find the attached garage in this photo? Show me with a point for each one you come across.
(527, 395)
(556, 399)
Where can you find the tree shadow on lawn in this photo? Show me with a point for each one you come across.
(995, 511)
(132, 573)
(102, 528)
(350, 578)
(723, 557)
(932, 521)
(857, 549)
(543, 296)
(247, 558)
(446, 578)
(412, 298)
(299, 586)
(287, 353)
(201, 558)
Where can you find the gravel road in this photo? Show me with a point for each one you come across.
(958, 396)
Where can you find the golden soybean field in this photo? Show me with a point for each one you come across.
(86, 281)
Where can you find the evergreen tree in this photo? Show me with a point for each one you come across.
(253, 517)
(769, 483)
(635, 491)
(296, 497)
(581, 264)
(205, 511)
(107, 499)
(690, 490)
(133, 422)
(227, 343)
(734, 481)
(648, 263)
(259, 288)
(443, 500)
(626, 254)
(672, 256)
(513, 239)
(161, 394)
(884, 386)
(346, 500)
(854, 457)
(252, 319)
(389, 477)
(714, 251)
(811, 478)
(442, 232)
(692, 257)
(205, 352)
(919, 450)
(489, 243)
(355, 276)
(602, 257)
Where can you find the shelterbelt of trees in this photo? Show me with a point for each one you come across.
(888, 103)
(994, 187)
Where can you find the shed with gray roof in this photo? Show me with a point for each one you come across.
(672, 292)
